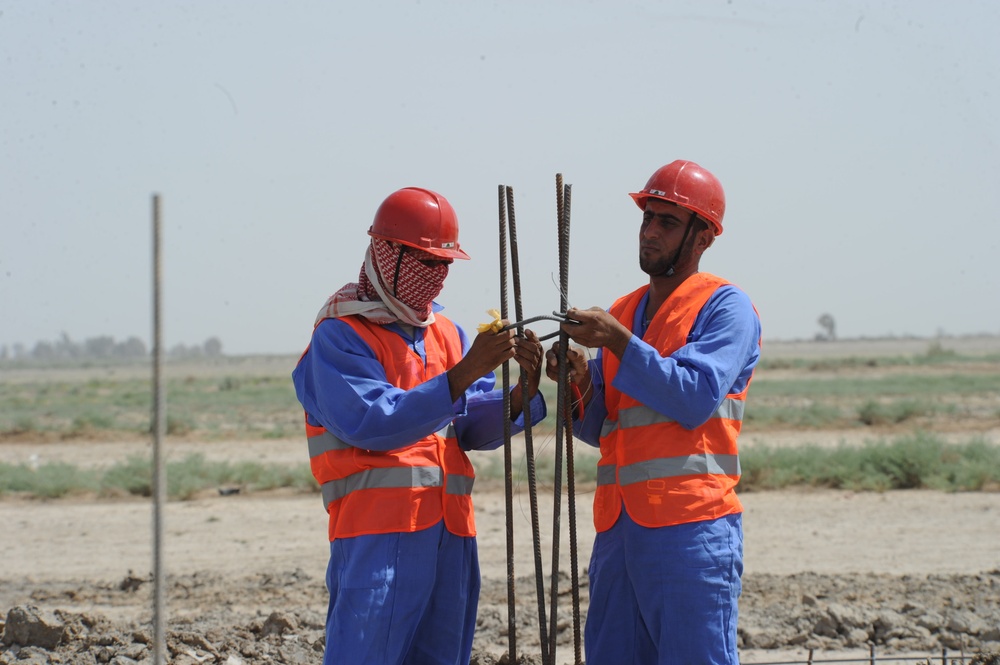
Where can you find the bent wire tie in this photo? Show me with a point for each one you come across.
(561, 317)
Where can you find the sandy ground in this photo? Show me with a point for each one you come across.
(227, 551)
(914, 572)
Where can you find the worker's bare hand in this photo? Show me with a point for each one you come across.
(576, 363)
(528, 354)
(595, 328)
(489, 350)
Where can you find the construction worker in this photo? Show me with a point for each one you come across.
(394, 396)
(664, 400)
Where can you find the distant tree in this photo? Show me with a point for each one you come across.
(182, 351)
(99, 347)
(66, 348)
(43, 351)
(829, 327)
(213, 347)
(19, 350)
(133, 347)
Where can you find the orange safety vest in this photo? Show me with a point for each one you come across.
(663, 473)
(409, 488)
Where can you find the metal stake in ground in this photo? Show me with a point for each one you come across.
(529, 449)
(159, 472)
(507, 466)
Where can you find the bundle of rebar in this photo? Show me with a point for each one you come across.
(547, 630)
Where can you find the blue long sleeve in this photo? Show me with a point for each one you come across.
(343, 387)
(690, 384)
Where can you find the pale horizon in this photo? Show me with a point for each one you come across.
(858, 144)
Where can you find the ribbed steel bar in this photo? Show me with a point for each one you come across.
(560, 426)
(507, 465)
(568, 433)
(529, 448)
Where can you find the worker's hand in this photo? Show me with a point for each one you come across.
(528, 354)
(489, 350)
(596, 328)
(576, 363)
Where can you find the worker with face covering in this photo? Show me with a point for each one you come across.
(394, 395)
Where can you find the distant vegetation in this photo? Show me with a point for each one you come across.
(185, 478)
(102, 348)
(920, 418)
(918, 461)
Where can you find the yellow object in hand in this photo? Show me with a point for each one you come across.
(493, 326)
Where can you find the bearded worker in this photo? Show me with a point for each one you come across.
(664, 400)
(394, 396)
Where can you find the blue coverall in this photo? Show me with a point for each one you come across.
(398, 598)
(669, 595)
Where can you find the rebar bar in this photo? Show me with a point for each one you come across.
(529, 449)
(507, 463)
(568, 433)
(560, 426)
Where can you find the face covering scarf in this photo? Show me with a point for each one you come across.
(394, 285)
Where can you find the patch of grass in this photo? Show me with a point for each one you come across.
(48, 481)
(935, 354)
(920, 461)
(134, 476)
(891, 413)
(812, 415)
(185, 478)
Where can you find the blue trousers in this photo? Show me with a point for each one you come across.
(402, 599)
(665, 596)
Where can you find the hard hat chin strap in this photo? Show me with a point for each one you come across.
(677, 256)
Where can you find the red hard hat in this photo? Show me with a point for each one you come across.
(419, 218)
(689, 186)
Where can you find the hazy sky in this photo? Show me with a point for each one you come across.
(858, 143)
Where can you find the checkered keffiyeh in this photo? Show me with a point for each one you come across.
(371, 296)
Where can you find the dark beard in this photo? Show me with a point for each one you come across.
(655, 268)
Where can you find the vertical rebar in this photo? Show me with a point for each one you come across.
(560, 406)
(568, 434)
(507, 464)
(529, 448)
(159, 472)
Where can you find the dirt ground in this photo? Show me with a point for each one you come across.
(914, 571)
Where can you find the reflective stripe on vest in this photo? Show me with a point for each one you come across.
(325, 442)
(640, 416)
(378, 478)
(662, 473)
(670, 467)
(405, 489)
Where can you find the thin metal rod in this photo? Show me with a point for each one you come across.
(560, 426)
(159, 429)
(529, 447)
(568, 433)
(555, 316)
(507, 463)
(866, 659)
